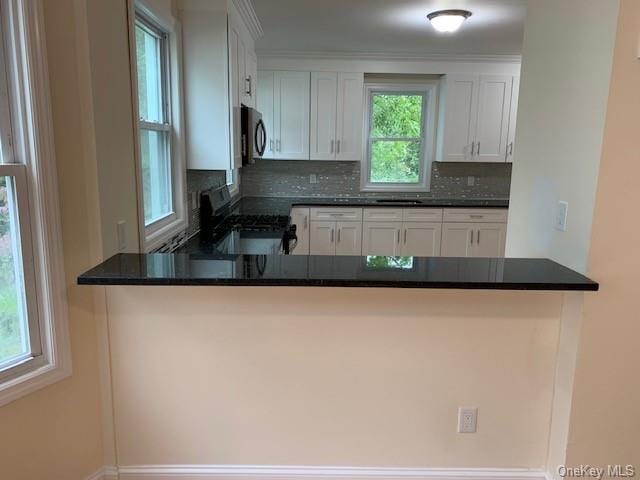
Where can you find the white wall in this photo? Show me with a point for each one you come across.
(566, 67)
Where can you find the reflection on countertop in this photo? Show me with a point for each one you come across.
(322, 271)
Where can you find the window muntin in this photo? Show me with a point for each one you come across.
(400, 136)
(155, 131)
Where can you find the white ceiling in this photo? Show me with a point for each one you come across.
(389, 26)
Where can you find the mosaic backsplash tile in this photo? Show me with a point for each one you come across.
(342, 179)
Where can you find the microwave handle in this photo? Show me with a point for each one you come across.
(261, 137)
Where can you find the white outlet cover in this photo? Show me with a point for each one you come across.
(467, 419)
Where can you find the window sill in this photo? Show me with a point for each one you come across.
(34, 380)
(395, 189)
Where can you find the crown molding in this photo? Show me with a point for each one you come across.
(398, 57)
(249, 17)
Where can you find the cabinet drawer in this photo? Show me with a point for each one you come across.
(382, 214)
(422, 215)
(477, 215)
(342, 214)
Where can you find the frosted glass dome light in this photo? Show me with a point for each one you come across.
(448, 21)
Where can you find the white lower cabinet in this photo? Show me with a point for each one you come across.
(381, 238)
(300, 218)
(335, 238)
(421, 239)
(473, 239)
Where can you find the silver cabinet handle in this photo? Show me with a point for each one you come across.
(398, 236)
(339, 230)
(473, 148)
(338, 146)
(476, 216)
(306, 222)
(247, 83)
(478, 149)
(405, 236)
(278, 146)
(332, 143)
(510, 149)
(332, 235)
(471, 237)
(478, 237)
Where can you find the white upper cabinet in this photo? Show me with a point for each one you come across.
(283, 100)
(336, 116)
(494, 106)
(460, 115)
(513, 117)
(265, 105)
(324, 94)
(251, 79)
(475, 120)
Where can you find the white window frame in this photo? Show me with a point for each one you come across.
(34, 171)
(159, 232)
(429, 91)
(233, 181)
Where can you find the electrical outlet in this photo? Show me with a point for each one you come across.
(561, 216)
(467, 419)
(313, 178)
(471, 181)
(121, 228)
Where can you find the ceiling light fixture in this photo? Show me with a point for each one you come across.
(448, 21)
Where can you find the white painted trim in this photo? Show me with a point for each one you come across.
(249, 17)
(105, 473)
(398, 57)
(34, 146)
(177, 472)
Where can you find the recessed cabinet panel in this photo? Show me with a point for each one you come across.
(457, 239)
(350, 116)
(383, 214)
(300, 218)
(322, 238)
(493, 118)
(291, 112)
(265, 102)
(348, 238)
(490, 240)
(336, 214)
(489, 215)
(324, 91)
(460, 117)
(421, 239)
(381, 238)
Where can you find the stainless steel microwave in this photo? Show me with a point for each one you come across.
(254, 135)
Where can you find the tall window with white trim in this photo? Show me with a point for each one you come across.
(400, 137)
(155, 130)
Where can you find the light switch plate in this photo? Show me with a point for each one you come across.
(121, 228)
(313, 178)
(471, 181)
(561, 216)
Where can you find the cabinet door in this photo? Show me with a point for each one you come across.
(461, 114)
(234, 93)
(513, 117)
(490, 240)
(300, 218)
(322, 238)
(324, 91)
(421, 239)
(458, 239)
(292, 115)
(251, 72)
(493, 118)
(349, 238)
(265, 103)
(350, 116)
(242, 70)
(381, 238)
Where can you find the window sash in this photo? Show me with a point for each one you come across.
(21, 364)
(426, 136)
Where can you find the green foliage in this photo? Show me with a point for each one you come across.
(396, 116)
(379, 262)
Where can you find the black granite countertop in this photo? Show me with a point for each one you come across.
(319, 271)
(283, 205)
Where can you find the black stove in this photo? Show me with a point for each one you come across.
(256, 223)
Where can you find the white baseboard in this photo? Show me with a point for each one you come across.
(235, 472)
